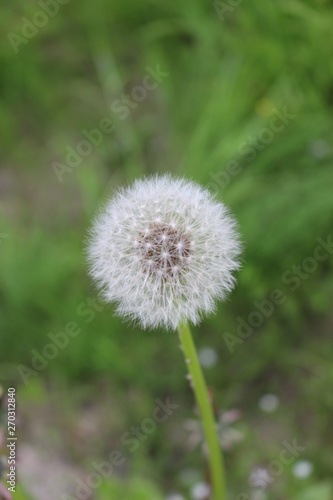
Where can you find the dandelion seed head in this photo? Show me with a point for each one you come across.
(302, 469)
(161, 270)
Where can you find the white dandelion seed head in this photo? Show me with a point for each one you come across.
(260, 478)
(164, 250)
(302, 469)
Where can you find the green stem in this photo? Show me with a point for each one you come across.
(206, 412)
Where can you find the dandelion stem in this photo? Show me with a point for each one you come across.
(206, 412)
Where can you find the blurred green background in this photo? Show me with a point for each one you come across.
(229, 72)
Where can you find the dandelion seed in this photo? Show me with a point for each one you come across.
(161, 270)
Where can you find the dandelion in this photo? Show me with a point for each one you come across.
(269, 403)
(164, 251)
(260, 478)
(302, 469)
(200, 491)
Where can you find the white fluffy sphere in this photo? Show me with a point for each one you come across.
(164, 250)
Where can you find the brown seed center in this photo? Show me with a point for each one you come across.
(165, 249)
